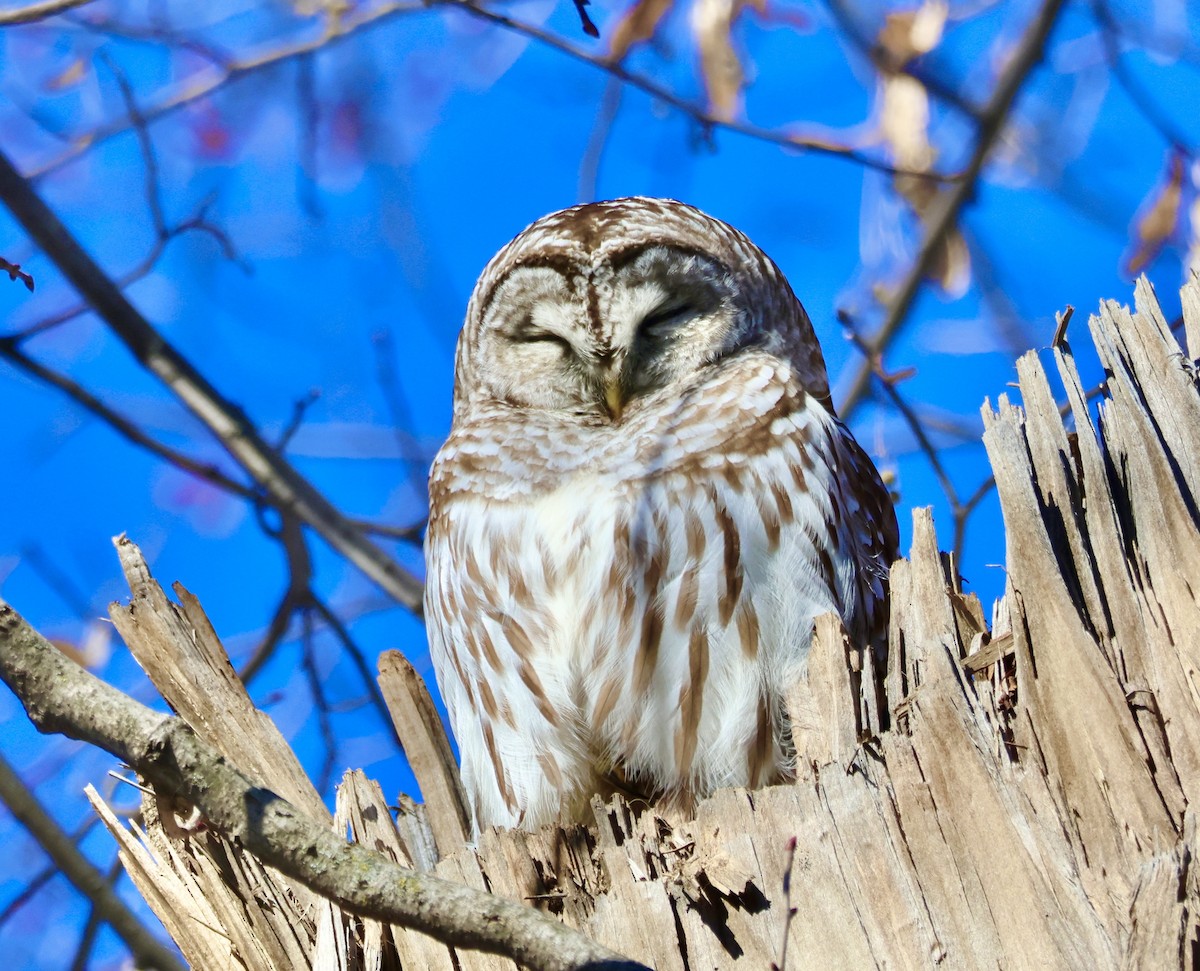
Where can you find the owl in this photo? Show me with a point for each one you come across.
(645, 500)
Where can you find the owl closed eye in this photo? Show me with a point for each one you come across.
(644, 501)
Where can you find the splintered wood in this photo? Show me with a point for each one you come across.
(1017, 798)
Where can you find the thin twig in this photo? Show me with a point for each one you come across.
(407, 534)
(95, 921)
(589, 165)
(299, 596)
(1141, 98)
(299, 409)
(960, 511)
(197, 222)
(202, 84)
(285, 487)
(702, 117)
(338, 29)
(122, 425)
(62, 849)
(145, 145)
(277, 629)
(46, 874)
(358, 659)
(320, 701)
(154, 34)
(33, 12)
(290, 535)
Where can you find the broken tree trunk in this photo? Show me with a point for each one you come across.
(1029, 805)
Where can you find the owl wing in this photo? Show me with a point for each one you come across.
(754, 511)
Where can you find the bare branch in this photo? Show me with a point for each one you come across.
(1141, 98)
(320, 702)
(407, 534)
(357, 659)
(46, 874)
(338, 29)
(91, 929)
(145, 145)
(197, 222)
(34, 12)
(201, 85)
(944, 212)
(961, 511)
(299, 573)
(277, 629)
(120, 424)
(60, 696)
(61, 848)
(707, 120)
(284, 486)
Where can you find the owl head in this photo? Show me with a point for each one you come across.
(593, 309)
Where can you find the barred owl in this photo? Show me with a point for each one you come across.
(645, 500)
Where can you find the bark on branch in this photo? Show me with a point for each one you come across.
(62, 697)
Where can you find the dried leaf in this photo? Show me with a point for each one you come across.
(904, 110)
(637, 26)
(720, 66)
(904, 122)
(904, 128)
(1159, 215)
(69, 649)
(68, 77)
(910, 33)
(950, 267)
(15, 272)
(93, 648)
(333, 9)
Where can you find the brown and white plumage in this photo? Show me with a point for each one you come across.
(644, 501)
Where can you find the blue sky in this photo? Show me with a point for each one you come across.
(364, 189)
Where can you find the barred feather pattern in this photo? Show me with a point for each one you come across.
(616, 603)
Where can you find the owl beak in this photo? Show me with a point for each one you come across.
(614, 398)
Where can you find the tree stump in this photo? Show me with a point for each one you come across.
(1013, 796)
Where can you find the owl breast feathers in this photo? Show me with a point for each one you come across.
(644, 502)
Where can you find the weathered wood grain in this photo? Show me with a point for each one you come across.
(427, 749)
(1022, 797)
